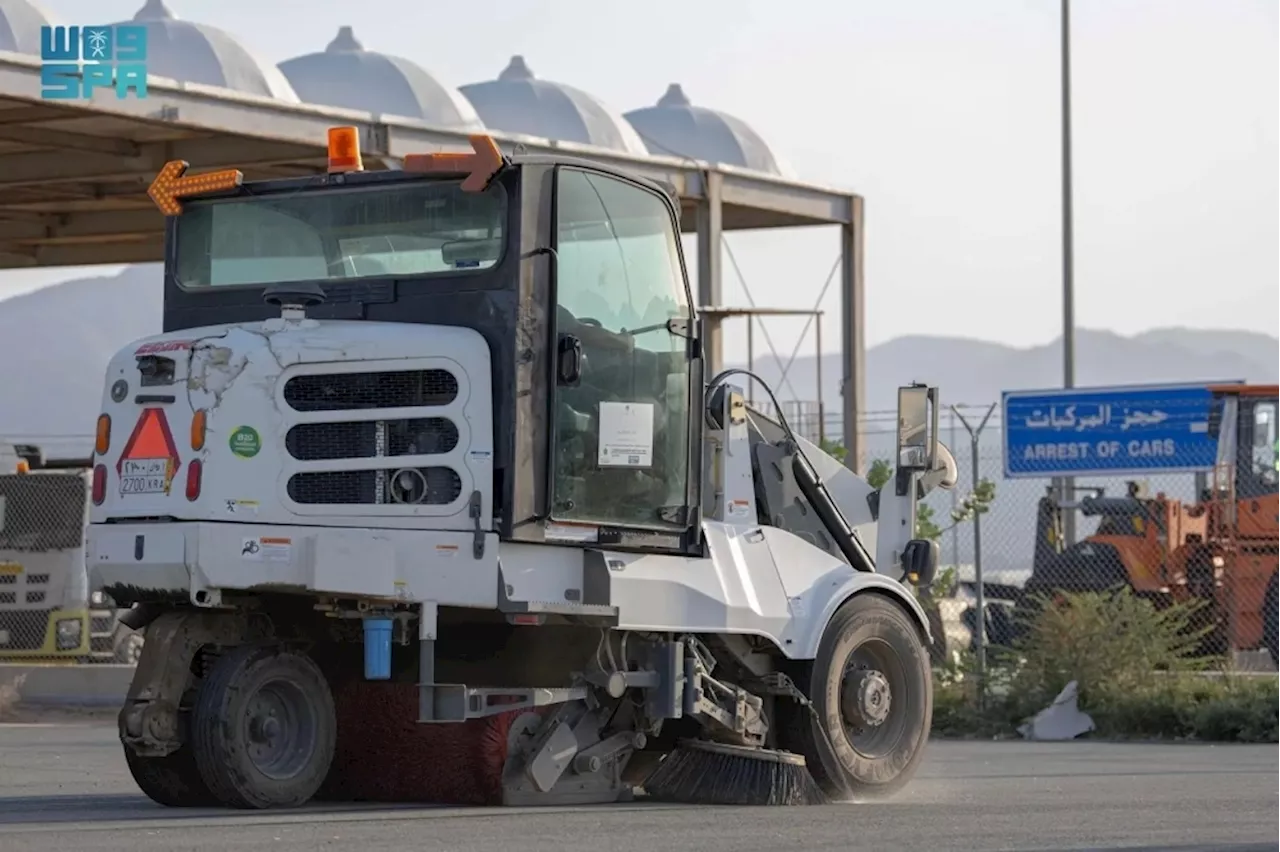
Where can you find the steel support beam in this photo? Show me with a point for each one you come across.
(710, 271)
(853, 385)
(764, 194)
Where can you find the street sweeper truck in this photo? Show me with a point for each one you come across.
(423, 495)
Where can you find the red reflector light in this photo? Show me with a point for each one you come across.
(99, 488)
(194, 469)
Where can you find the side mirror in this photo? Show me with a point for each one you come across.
(917, 428)
(920, 561)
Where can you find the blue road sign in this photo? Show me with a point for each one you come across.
(1107, 431)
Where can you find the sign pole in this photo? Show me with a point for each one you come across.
(980, 628)
(1066, 484)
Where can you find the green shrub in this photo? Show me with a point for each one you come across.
(1108, 642)
(1134, 667)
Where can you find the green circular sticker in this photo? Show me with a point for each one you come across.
(245, 442)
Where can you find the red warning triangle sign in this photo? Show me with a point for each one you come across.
(151, 439)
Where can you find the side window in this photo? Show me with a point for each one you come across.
(622, 431)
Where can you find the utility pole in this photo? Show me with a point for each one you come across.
(1066, 485)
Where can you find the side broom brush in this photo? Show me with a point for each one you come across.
(701, 772)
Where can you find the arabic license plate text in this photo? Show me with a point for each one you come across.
(4, 637)
(144, 476)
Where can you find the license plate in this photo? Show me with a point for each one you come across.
(144, 476)
(4, 637)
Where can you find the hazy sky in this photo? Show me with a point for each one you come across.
(944, 115)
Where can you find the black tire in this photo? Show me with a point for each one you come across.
(879, 758)
(247, 755)
(173, 780)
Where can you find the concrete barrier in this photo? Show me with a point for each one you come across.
(68, 686)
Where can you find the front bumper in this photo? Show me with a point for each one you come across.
(199, 560)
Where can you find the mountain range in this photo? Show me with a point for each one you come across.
(55, 343)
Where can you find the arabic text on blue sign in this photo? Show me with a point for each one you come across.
(1095, 431)
(77, 60)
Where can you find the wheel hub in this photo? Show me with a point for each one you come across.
(280, 730)
(865, 698)
(264, 730)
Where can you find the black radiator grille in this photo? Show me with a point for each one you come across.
(362, 487)
(352, 391)
(327, 441)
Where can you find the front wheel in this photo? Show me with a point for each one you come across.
(872, 689)
(264, 731)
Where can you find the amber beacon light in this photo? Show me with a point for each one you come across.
(344, 150)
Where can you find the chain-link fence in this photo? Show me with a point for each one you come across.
(46, 609)
(1204, 539)
(1201, 542)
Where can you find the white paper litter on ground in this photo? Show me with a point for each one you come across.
(1061, 720)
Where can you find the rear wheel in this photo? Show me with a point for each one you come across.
(872, 689)
(264, 728)
(173, 780)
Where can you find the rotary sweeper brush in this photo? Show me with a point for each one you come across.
(423, 496)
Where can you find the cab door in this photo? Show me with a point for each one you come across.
(626, 371)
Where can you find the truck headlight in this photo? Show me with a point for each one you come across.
(68, 633)
(98, 599)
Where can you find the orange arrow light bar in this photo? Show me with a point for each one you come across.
(479, 167)
(173, 183)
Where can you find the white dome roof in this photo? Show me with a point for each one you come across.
(347, 75)
(518, 102)
(20, 23)
(677, 128)
(198, 53)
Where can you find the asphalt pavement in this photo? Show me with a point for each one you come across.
(65, 787)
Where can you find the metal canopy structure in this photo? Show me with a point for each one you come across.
(73, 179)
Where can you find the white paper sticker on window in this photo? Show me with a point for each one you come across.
(626, 434)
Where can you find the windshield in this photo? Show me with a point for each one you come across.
(411, 229)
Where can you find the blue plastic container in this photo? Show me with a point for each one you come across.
(377, 648)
